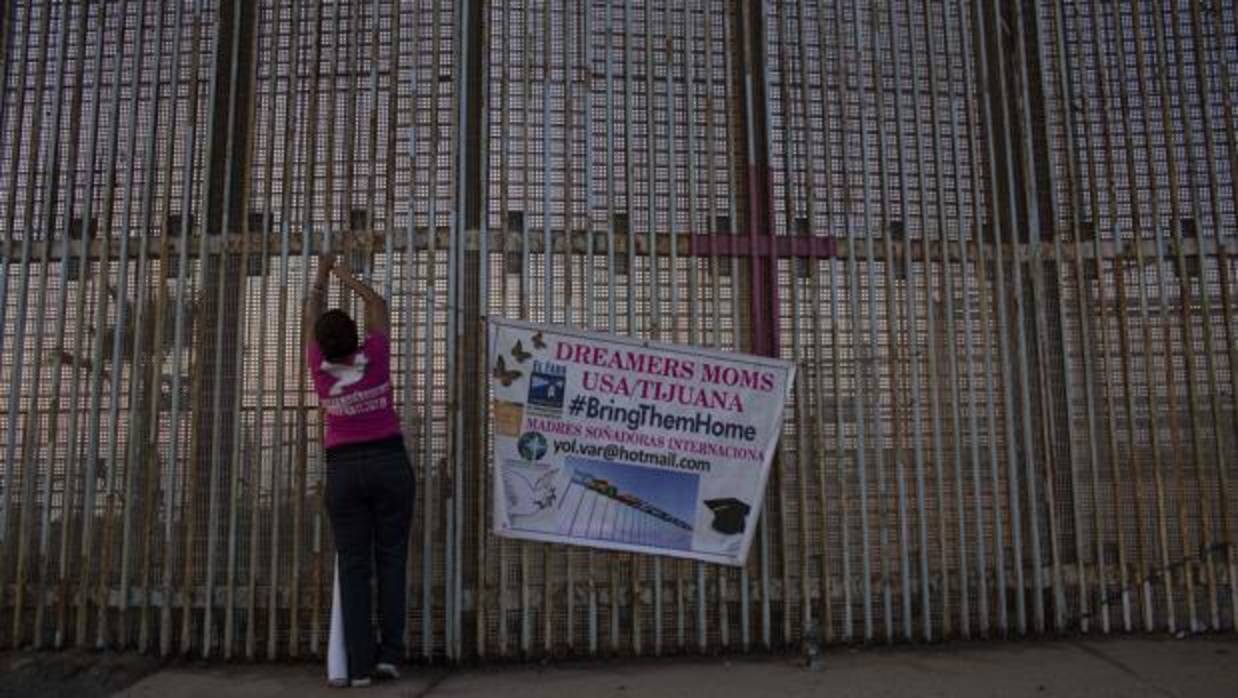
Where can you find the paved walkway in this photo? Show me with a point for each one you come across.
(1117, 668)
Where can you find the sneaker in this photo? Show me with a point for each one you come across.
(363, 682)
(386, 672)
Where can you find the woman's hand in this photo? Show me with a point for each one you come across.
(375, 305)
(326, 262)
(316, 300)
(343, 272)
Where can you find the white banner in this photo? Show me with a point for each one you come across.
(616, 443)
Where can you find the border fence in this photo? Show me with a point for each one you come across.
(997, 238)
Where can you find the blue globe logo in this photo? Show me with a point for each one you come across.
(532, 446)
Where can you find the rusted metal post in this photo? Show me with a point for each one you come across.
(30, 469)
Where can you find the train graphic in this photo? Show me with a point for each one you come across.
(607, 489)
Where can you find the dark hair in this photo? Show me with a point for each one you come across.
(336, 334)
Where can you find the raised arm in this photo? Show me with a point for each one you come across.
(316, 301)
(376, 319)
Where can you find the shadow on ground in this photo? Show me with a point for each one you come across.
(1130, 667)
(71, 673)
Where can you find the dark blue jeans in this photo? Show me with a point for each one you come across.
(370, 491)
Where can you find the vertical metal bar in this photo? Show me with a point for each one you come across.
(454, 303)
(292, 140)
(17, 544)
(1082, 299)
(673, 215)
(336, 29)
(354, 36)
(757, 45)
(21, 60)
(978, 93)
(431, 468)
(733, 162)
(254, 479)
(1205, 301)
(1110, 416)
(118, 349)
(505, 226)
(1231, 336)
(35, 153)
(1210, 363)
(196, 435)
(29, 469)
(216, 396)
(526, 630)
(186, 207)
(947, 274)
(1003, 342)
(797, 457)
(934, 408)
(800, 459)
(410, 267)
(711, 225)
(810, 459)
(8, 39)
(482, 359)
(1120, 273)
(79, 329)
(1144, 572)
(1137, 217)
(892, 320)
(548, 290)
(142, 387)
(300, 475)
(44, 588)
(654, 325)
(1024, 383)
(969, 351)
(451, 413)
(633, 561)
(788, 460)
(1180, 269)
(951, 330)
(89, 542)
(393, 122)
(866, 368)
(242, 329)
(586, 260)
(1163, 317)
(1066, 116)
(371, 152)
(1041, 328)
(695, 291)
(831, 213)
(160, 348)
(80, 314)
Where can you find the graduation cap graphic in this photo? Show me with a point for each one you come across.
(730, 515)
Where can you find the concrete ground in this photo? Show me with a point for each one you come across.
(1118, 668)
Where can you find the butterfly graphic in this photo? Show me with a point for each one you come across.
(503, 375)
(539, 341)
(519, 354)
(345, 374)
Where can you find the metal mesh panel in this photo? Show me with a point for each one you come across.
(997, 240)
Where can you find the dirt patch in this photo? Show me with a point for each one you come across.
(75, 673)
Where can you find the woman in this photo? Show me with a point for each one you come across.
(369, 479)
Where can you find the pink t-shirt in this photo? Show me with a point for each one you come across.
(356, 393)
